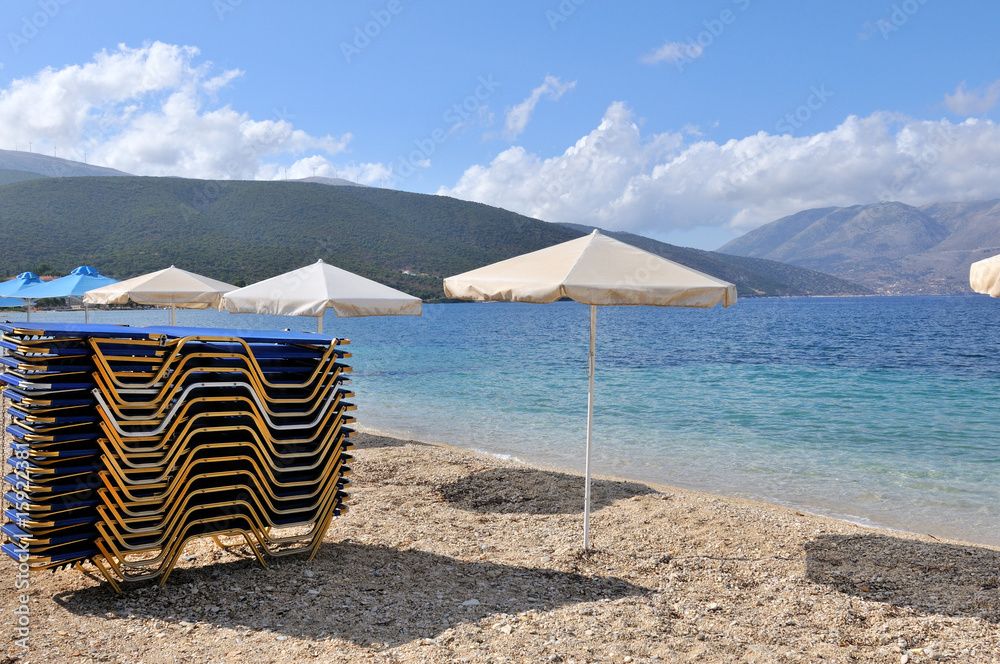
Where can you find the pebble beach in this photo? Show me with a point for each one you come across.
(452, 556)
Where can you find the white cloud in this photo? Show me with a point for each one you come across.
(222, 80)
(147, 111)
(973, 102)
(673, 52)
(616, 178)
(319, 166)
(518, 116)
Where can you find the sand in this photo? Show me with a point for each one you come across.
(452, 556)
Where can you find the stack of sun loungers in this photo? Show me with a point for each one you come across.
(51, 429)
(126, 443)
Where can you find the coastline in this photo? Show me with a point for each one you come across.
(830, 511)
(452, 556)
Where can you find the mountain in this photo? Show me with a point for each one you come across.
(752, 276)
(889, 247)
(53, 167)
(8, 176)
(336, 182)
(247, 231)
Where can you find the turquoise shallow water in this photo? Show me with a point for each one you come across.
(879, 410)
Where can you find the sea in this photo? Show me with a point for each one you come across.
(878, 410)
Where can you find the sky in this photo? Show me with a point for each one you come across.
(690, 122)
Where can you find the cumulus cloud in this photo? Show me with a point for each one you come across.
(518, 116)
(617, 178)
(973, 102)
(673, 52)
(148, 111)
(320, 166)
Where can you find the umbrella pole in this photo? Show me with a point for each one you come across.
(319, 324)
(590, 428)
(29, 310)
(173, 313)
(86, 312)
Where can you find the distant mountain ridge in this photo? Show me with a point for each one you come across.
(889, 247)
(752, 276)
(251, 230)
(53, 167)
(336, 182)
(8, 176)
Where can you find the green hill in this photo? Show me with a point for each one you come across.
(247, 231)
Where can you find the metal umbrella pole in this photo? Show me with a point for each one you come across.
(590, 427)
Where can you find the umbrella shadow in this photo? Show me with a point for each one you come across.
(367, 441)
(531, 491)
(937, 578)
(373, 596)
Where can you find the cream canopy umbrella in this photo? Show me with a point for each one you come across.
(172, 286)
(595, 270)
(984, 276)
(311, 290)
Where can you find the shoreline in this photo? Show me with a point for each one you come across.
(451, 556)
(833, 512)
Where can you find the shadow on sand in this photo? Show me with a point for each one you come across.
(363, 441)
(532, 491)
(370, 595)
(944, 579)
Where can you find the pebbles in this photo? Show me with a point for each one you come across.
(448, 556)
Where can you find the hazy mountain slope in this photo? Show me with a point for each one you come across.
(8, 176)
(336, 182)
(889, 247)
(32, 162)
(752, 276)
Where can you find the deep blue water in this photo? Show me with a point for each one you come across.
(879, 409)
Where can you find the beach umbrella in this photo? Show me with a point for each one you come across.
(311, 290)
(594, 270)
(984, 276)
(173, 286)
(13, 288)
(75, 284)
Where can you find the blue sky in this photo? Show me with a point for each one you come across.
(692, 122)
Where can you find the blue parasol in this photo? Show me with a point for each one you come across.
(13, 289)
(75, 284)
